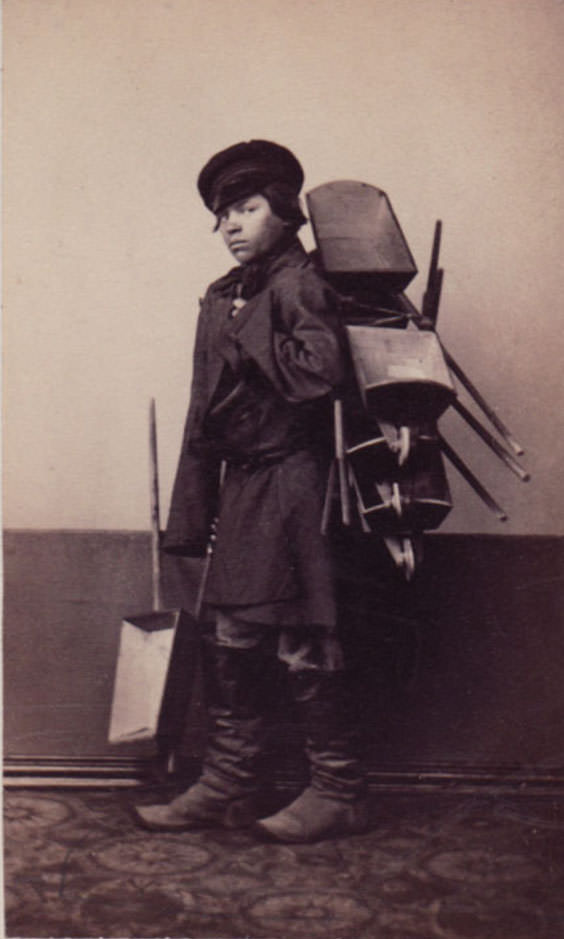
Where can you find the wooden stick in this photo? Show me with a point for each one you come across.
(471, 479)
(429, 297)
(155, 511)
(433, 313)
(434, 264)
(340, 458)
(359, 503)
(328, 503)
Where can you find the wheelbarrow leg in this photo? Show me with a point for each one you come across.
(472, 481)
(480, 401)
(412, 311)
(491, 442)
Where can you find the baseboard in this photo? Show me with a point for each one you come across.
(468, 779)
(121, 772)
(99, 772)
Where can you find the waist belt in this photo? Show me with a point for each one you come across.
(254, 461)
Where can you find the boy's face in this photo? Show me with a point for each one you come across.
(249, 228)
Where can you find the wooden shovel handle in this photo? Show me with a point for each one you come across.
(155, 510)
(209, 549)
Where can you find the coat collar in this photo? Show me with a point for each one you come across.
(254, 276)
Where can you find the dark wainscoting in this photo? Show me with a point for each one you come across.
(459, 675)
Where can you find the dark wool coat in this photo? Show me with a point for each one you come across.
(260, 397)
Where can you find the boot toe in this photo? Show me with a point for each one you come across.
(195, 809)
(284, 827)
(160, 818)
(311, 817)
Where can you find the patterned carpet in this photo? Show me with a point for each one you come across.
(442, 865)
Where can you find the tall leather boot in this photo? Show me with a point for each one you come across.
(224, 795)
(334, 803)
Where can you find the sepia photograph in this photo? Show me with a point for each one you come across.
(283, 528)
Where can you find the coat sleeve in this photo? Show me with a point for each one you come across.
(294, 336)
(194, 492)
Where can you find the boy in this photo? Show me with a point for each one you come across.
(267, 357)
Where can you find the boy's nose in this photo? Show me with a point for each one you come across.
(232, 222)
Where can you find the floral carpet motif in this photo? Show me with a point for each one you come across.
(440, 865)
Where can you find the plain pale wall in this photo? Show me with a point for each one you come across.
(454, 108)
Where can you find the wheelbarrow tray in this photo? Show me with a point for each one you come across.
(421, 485)
(358, 236)
(401, 373)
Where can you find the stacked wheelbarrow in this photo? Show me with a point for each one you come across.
(388, 472)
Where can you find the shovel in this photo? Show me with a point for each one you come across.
(158, 654)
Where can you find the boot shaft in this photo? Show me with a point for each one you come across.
(332, 738)
(233, 680)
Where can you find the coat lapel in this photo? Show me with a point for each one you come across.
(218, 313)
(221, 303)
